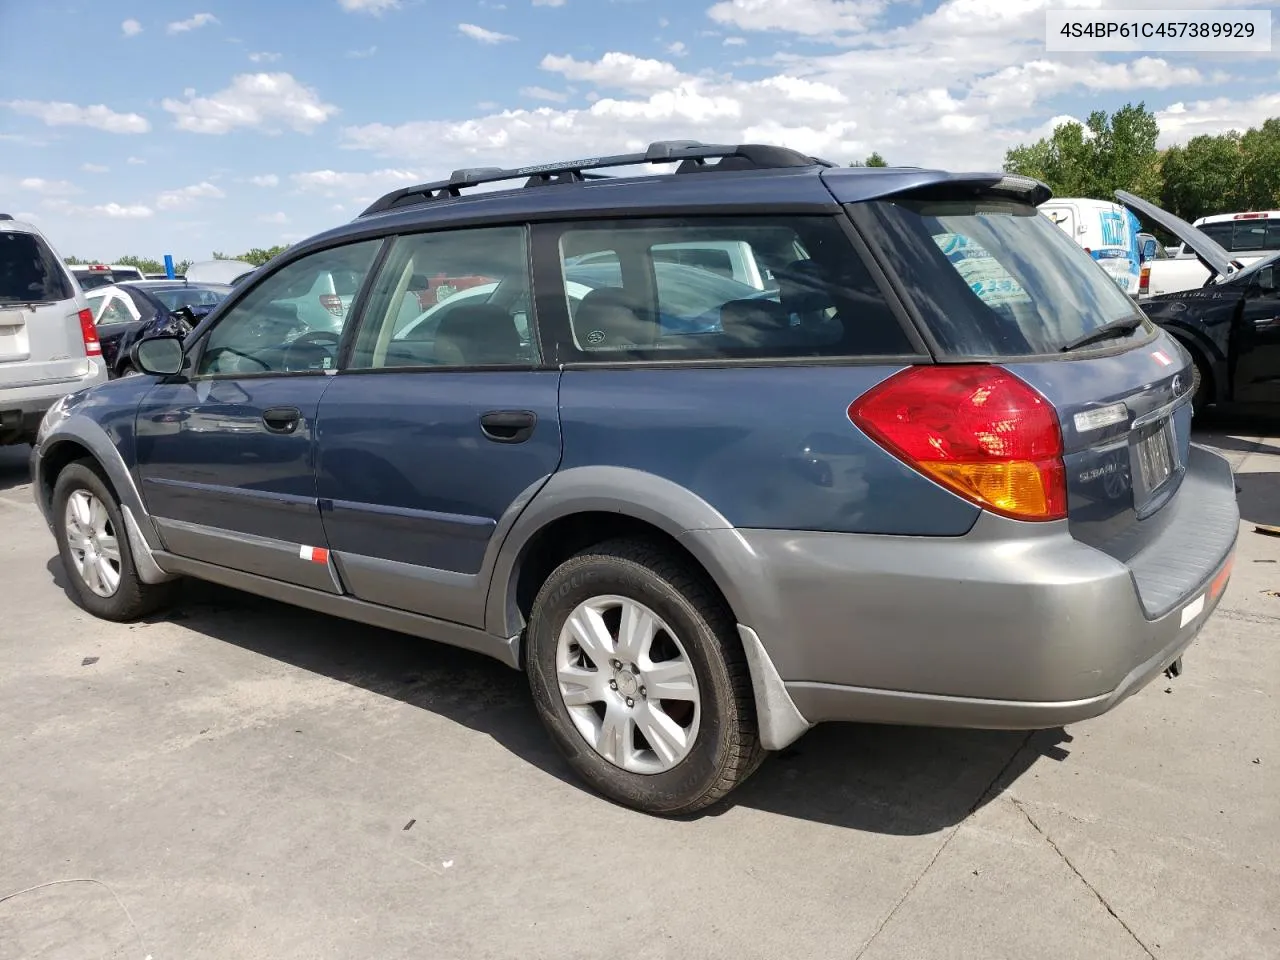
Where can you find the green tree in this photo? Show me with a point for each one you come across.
(875, 160)
(258, 256)
(1105, 154)
(75, 261)
(1260, 167)
(1204, 176)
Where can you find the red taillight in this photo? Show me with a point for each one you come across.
(977, 430)
(332, 302)
(1144, 280)
(92, 348)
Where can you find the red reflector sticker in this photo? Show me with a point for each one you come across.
(1162, 358)
(314, 554)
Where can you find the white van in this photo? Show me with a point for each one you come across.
(1107, 231)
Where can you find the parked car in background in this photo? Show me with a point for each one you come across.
(90, 276)
(48, 344)
(1245, 237)
(940, 474)
(1230, 326)
(218, 271)
(165, 276)
(1107, 232)
(127, 312)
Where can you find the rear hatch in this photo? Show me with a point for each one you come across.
(994, 282)
(40, 334)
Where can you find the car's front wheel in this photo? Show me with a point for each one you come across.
(639, 676)
(95, 549)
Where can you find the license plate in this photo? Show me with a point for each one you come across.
(1156, 457)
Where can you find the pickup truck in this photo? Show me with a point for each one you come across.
(1247, 237)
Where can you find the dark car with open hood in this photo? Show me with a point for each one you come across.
(1230, 326)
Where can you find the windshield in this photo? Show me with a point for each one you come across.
(1245, 236)
(189, 297)
(994, 277)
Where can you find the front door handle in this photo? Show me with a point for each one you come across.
(508, 426)
(281, 419)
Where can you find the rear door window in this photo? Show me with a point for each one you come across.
(666, 290)
(29, 272)
(993, 277)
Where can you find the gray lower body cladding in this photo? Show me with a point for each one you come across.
(1013, 625)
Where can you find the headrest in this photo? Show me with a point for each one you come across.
(804, 288)
(611, 317)
(478, 334)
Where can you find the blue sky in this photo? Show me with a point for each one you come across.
(186, 127)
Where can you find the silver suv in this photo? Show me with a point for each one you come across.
(48, 343)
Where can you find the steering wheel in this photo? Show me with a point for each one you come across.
(321, 338)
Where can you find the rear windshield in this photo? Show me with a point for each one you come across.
(29, 272)
(1244, 236)
(994, 277)
(91, 280)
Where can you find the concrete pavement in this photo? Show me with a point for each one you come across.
(242, 779)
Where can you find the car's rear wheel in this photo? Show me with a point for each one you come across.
(95, 549)
(1201, 383)
(639, 676)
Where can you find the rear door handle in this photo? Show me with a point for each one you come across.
(281, 419)
(508, 426)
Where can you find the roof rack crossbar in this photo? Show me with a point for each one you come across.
(688, 153)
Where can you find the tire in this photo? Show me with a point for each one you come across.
(1201, 385)
(128, 598)
(706, 731)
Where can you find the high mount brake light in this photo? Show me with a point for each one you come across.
(977, 430)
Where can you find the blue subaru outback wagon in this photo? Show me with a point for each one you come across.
(713, 454)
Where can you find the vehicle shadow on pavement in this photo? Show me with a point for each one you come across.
(881, 779)
(14, 466)
(1257, 491)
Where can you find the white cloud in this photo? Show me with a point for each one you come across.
(548, 3)
(48, 188)
(618, 70)
(815, 18)
(184, 196)
(193, 23)
(1180, 122)
(111, 211)
(364, 54)
(663, 22)
(278, 217)
(374, 7)
(264, 101)
(1016, 90)
(677, 49)
(120, 212)
(136, 162)
(94, 168)
(131, 28)
(735, 41)
(264, 56)
(26, 216)
(98, 116)
(265, 180)
(542, 93)
(483, 35)
(353, 185)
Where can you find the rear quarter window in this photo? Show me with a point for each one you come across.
(992, 278)
(29, 272)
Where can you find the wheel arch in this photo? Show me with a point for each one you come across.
(586, 505)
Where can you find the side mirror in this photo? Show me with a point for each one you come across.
(1267, 279)
(158, 356)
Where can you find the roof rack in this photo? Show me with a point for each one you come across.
(690, 154)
